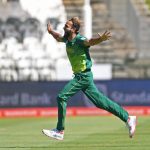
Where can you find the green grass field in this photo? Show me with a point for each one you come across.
(82, 133)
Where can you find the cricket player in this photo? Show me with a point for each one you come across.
(77, 48)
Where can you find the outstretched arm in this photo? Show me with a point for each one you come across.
(94, 41)
(56, 35)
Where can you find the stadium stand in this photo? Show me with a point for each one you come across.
(27, 52)
(117, 50)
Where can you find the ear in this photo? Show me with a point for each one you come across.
(73, 29)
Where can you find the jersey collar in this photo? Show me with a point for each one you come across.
(74, 39)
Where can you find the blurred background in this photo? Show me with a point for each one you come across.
(34, 67)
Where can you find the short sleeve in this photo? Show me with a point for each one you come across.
(81, 41)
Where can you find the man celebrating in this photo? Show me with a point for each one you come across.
(77, 48)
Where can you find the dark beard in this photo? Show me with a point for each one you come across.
(67, 34)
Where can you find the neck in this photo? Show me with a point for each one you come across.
(72, 36)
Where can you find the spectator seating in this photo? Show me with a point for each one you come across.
(27, 51)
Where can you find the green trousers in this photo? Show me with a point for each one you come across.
(84, 82)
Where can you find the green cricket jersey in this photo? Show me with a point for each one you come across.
(78, 54)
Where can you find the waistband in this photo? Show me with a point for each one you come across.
(85, 71)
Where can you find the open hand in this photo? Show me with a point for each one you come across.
(105, 36)
(49, 27)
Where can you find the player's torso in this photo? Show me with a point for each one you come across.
(77, 54)
(73, 49)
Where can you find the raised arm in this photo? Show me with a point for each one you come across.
(56, 35)
(94, 41)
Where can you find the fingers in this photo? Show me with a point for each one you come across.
(49, 28)
(107, 34)
(48, 24)
(99, 34)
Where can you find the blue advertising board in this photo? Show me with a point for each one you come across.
(43, 94)
(127, 92)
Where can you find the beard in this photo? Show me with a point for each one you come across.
(67, 33)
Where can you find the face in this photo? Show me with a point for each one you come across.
(68, 28)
